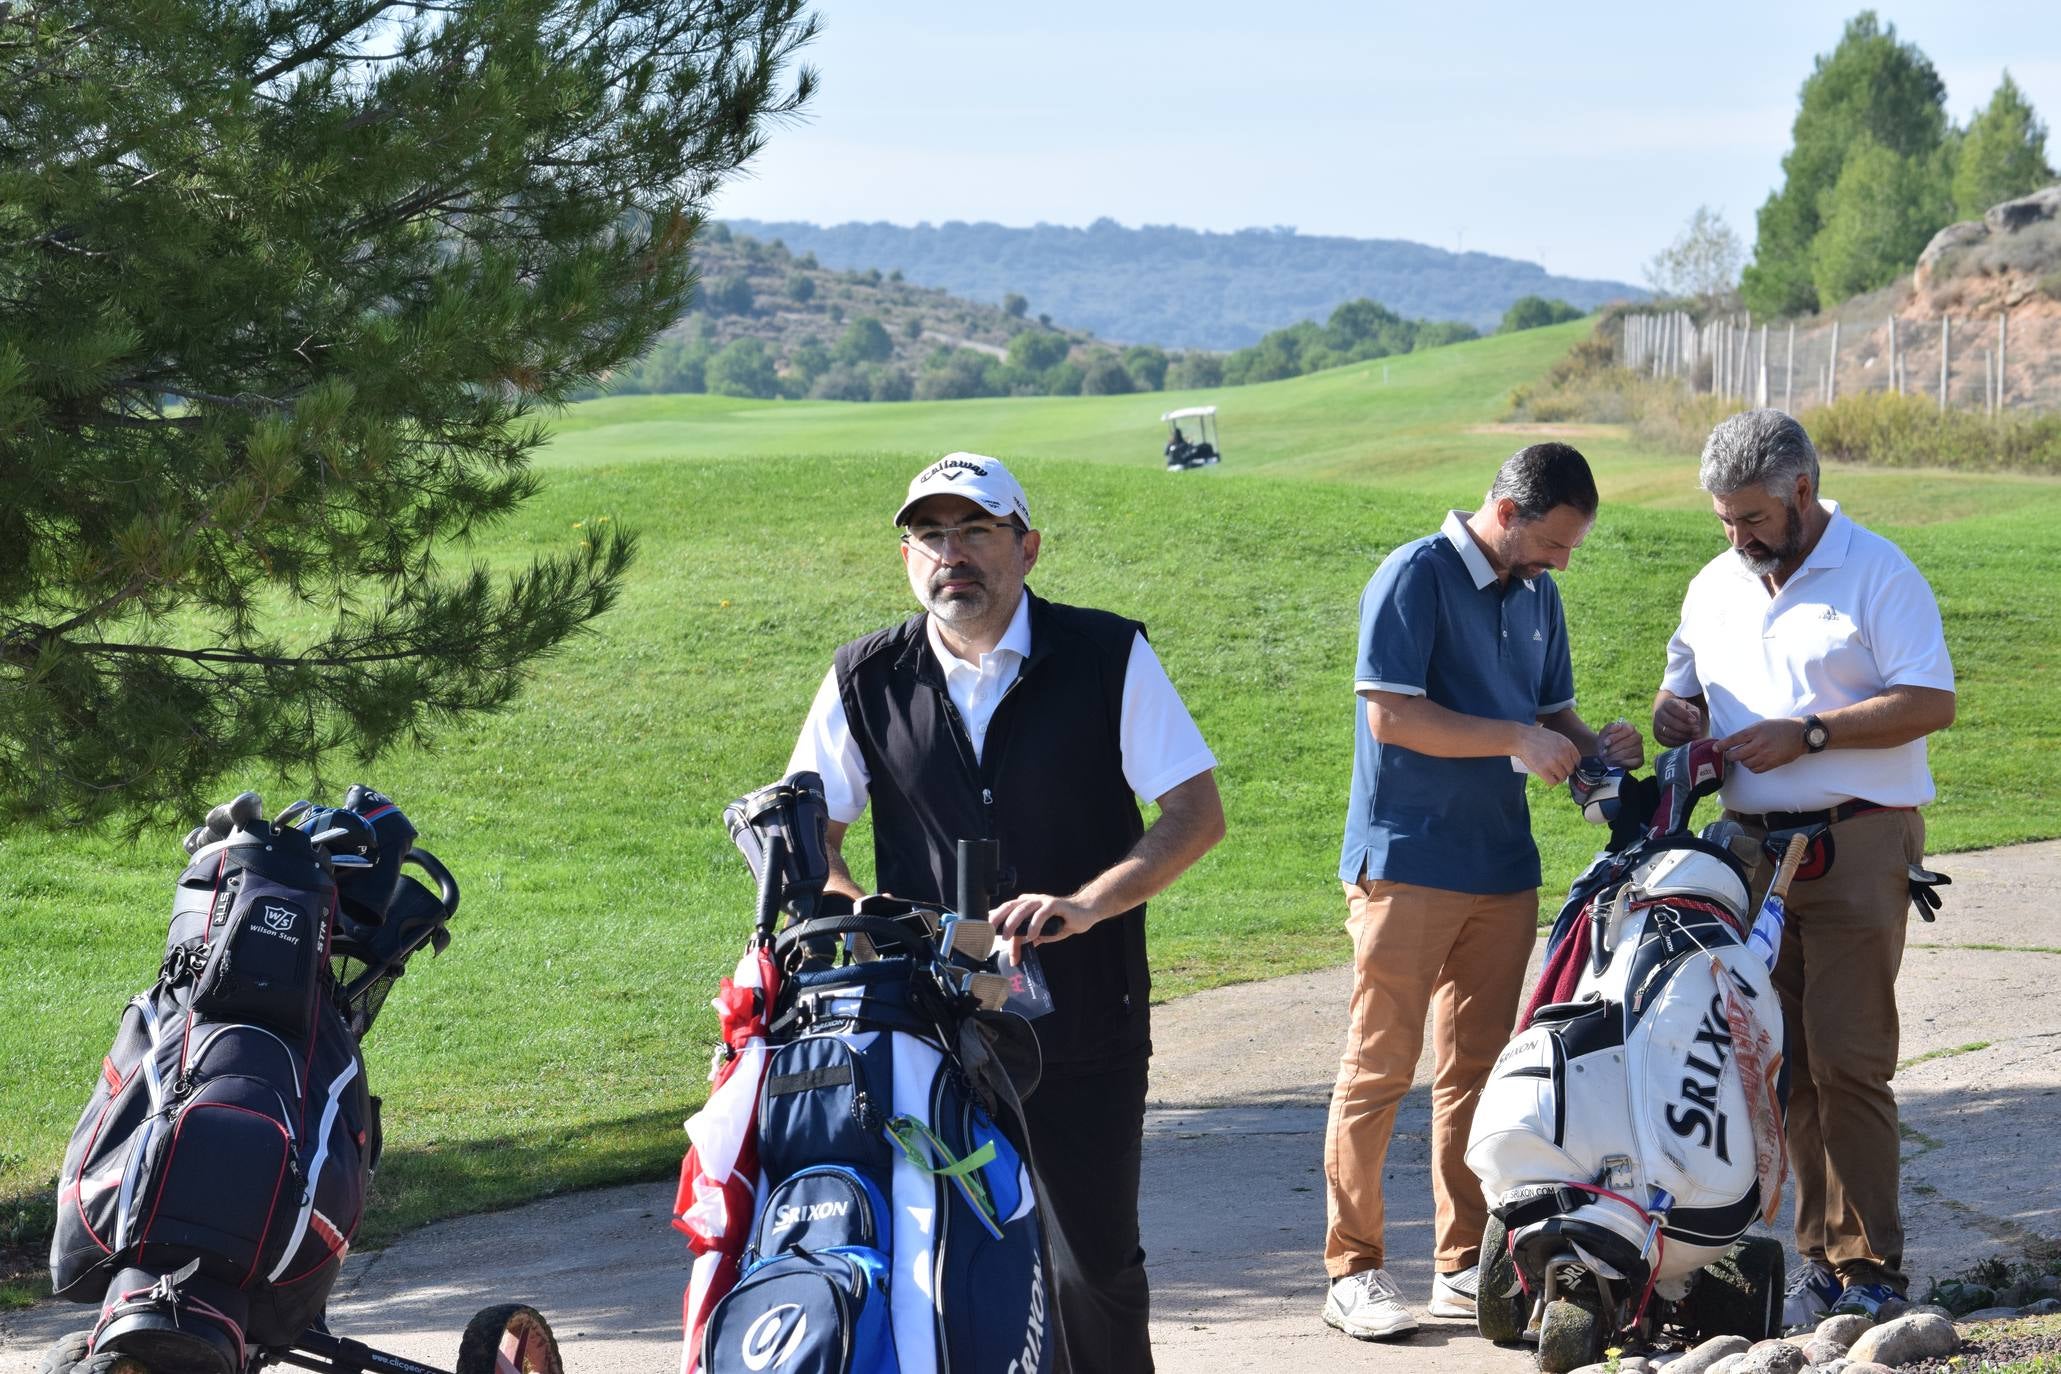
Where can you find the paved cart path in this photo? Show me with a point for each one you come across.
(1233, 1195)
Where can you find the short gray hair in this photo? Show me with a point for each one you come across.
(1764, 446)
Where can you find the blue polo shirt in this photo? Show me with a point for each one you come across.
(1434, 622)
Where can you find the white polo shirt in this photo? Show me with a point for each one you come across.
(1162, 748)
(1856, 619)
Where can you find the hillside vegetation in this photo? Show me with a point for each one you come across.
(1182, 288)
(564, 1035)
(766, 322)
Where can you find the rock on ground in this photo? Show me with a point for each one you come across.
(1908, 1338)
(1991, 1314)
(1704, 1358)
(1771, 1357)
(1844, 1329)
(1820, 1351)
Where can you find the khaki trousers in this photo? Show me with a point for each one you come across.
(1837, 978)
(1461, 957)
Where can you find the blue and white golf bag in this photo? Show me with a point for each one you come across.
(894, 1225)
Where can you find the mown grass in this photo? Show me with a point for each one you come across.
(565, 1033)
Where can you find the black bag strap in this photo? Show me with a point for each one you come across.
(882, 931)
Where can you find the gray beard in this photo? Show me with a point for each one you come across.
(1760, 567)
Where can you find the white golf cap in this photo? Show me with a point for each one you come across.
(978, 478)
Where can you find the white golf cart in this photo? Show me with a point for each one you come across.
(1183, 452)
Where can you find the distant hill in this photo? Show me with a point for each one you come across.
(766, 320)
(1182, 288)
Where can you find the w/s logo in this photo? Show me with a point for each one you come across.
(280, 918)
(763, 1346)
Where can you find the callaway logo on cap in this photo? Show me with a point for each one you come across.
(978, 478)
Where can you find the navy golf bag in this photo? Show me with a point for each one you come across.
(219, 1171)
(859, 1195)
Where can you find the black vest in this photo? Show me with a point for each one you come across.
(1049, 786)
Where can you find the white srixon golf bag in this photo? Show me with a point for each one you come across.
(1633, 1126)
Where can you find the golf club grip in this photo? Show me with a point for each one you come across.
(978, 860)
(770, 893)
(1792, 859)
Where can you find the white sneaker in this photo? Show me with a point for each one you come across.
(1368, 1306)
(1452, 1295)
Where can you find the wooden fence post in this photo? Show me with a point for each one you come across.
(1945, 342)
(1892, 355)
(2002, 342)
(1789, 373)
(1832, 368)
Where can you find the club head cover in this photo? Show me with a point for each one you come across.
(1595, 787)
(1685, 775)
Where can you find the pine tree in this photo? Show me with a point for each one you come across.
(287, 286)
(1877, 218)
(2003, 154)
(1870, 86)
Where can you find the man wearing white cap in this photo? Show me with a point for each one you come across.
(997, 714)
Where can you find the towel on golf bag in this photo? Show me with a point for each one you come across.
(1658, 1071)
(895, 1225)
(230, 1125)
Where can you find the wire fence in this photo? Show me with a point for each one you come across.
(2010, 360)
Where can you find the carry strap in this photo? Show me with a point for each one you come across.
(878, 929)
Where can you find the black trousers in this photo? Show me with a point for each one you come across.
(1087, 1128)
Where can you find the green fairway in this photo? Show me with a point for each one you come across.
(566, 1032)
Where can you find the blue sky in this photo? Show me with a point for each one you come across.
(1579, 136)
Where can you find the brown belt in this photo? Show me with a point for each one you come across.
(1796, 820)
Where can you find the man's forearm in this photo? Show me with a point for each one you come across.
(1897, 716)
(1423, 726)
(840, 879)
(1191, 821)
(1567, 724)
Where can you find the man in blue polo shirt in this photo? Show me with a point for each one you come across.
(1464, 685)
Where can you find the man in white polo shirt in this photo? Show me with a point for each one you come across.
(1812, 651)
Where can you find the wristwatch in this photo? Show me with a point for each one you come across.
(1815, 735)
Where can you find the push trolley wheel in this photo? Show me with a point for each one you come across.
(508, 1339)
(1571, 1334)
(113, 1362)
(66, 1353)
(1500, 1318)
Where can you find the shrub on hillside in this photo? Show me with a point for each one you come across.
(1587, 386)
(1356, 331)
(801, 287)
(1193, 370)
(1063, 378)
(1147, 366)
(1889, 430)
(865, 340)
(743, 368)
(842, 382)
(889, 383)
(953, 374)
(1105, 376)
(727, 295)
(1037, 349)
(1533, 312)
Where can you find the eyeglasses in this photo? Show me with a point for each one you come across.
(974, 538)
